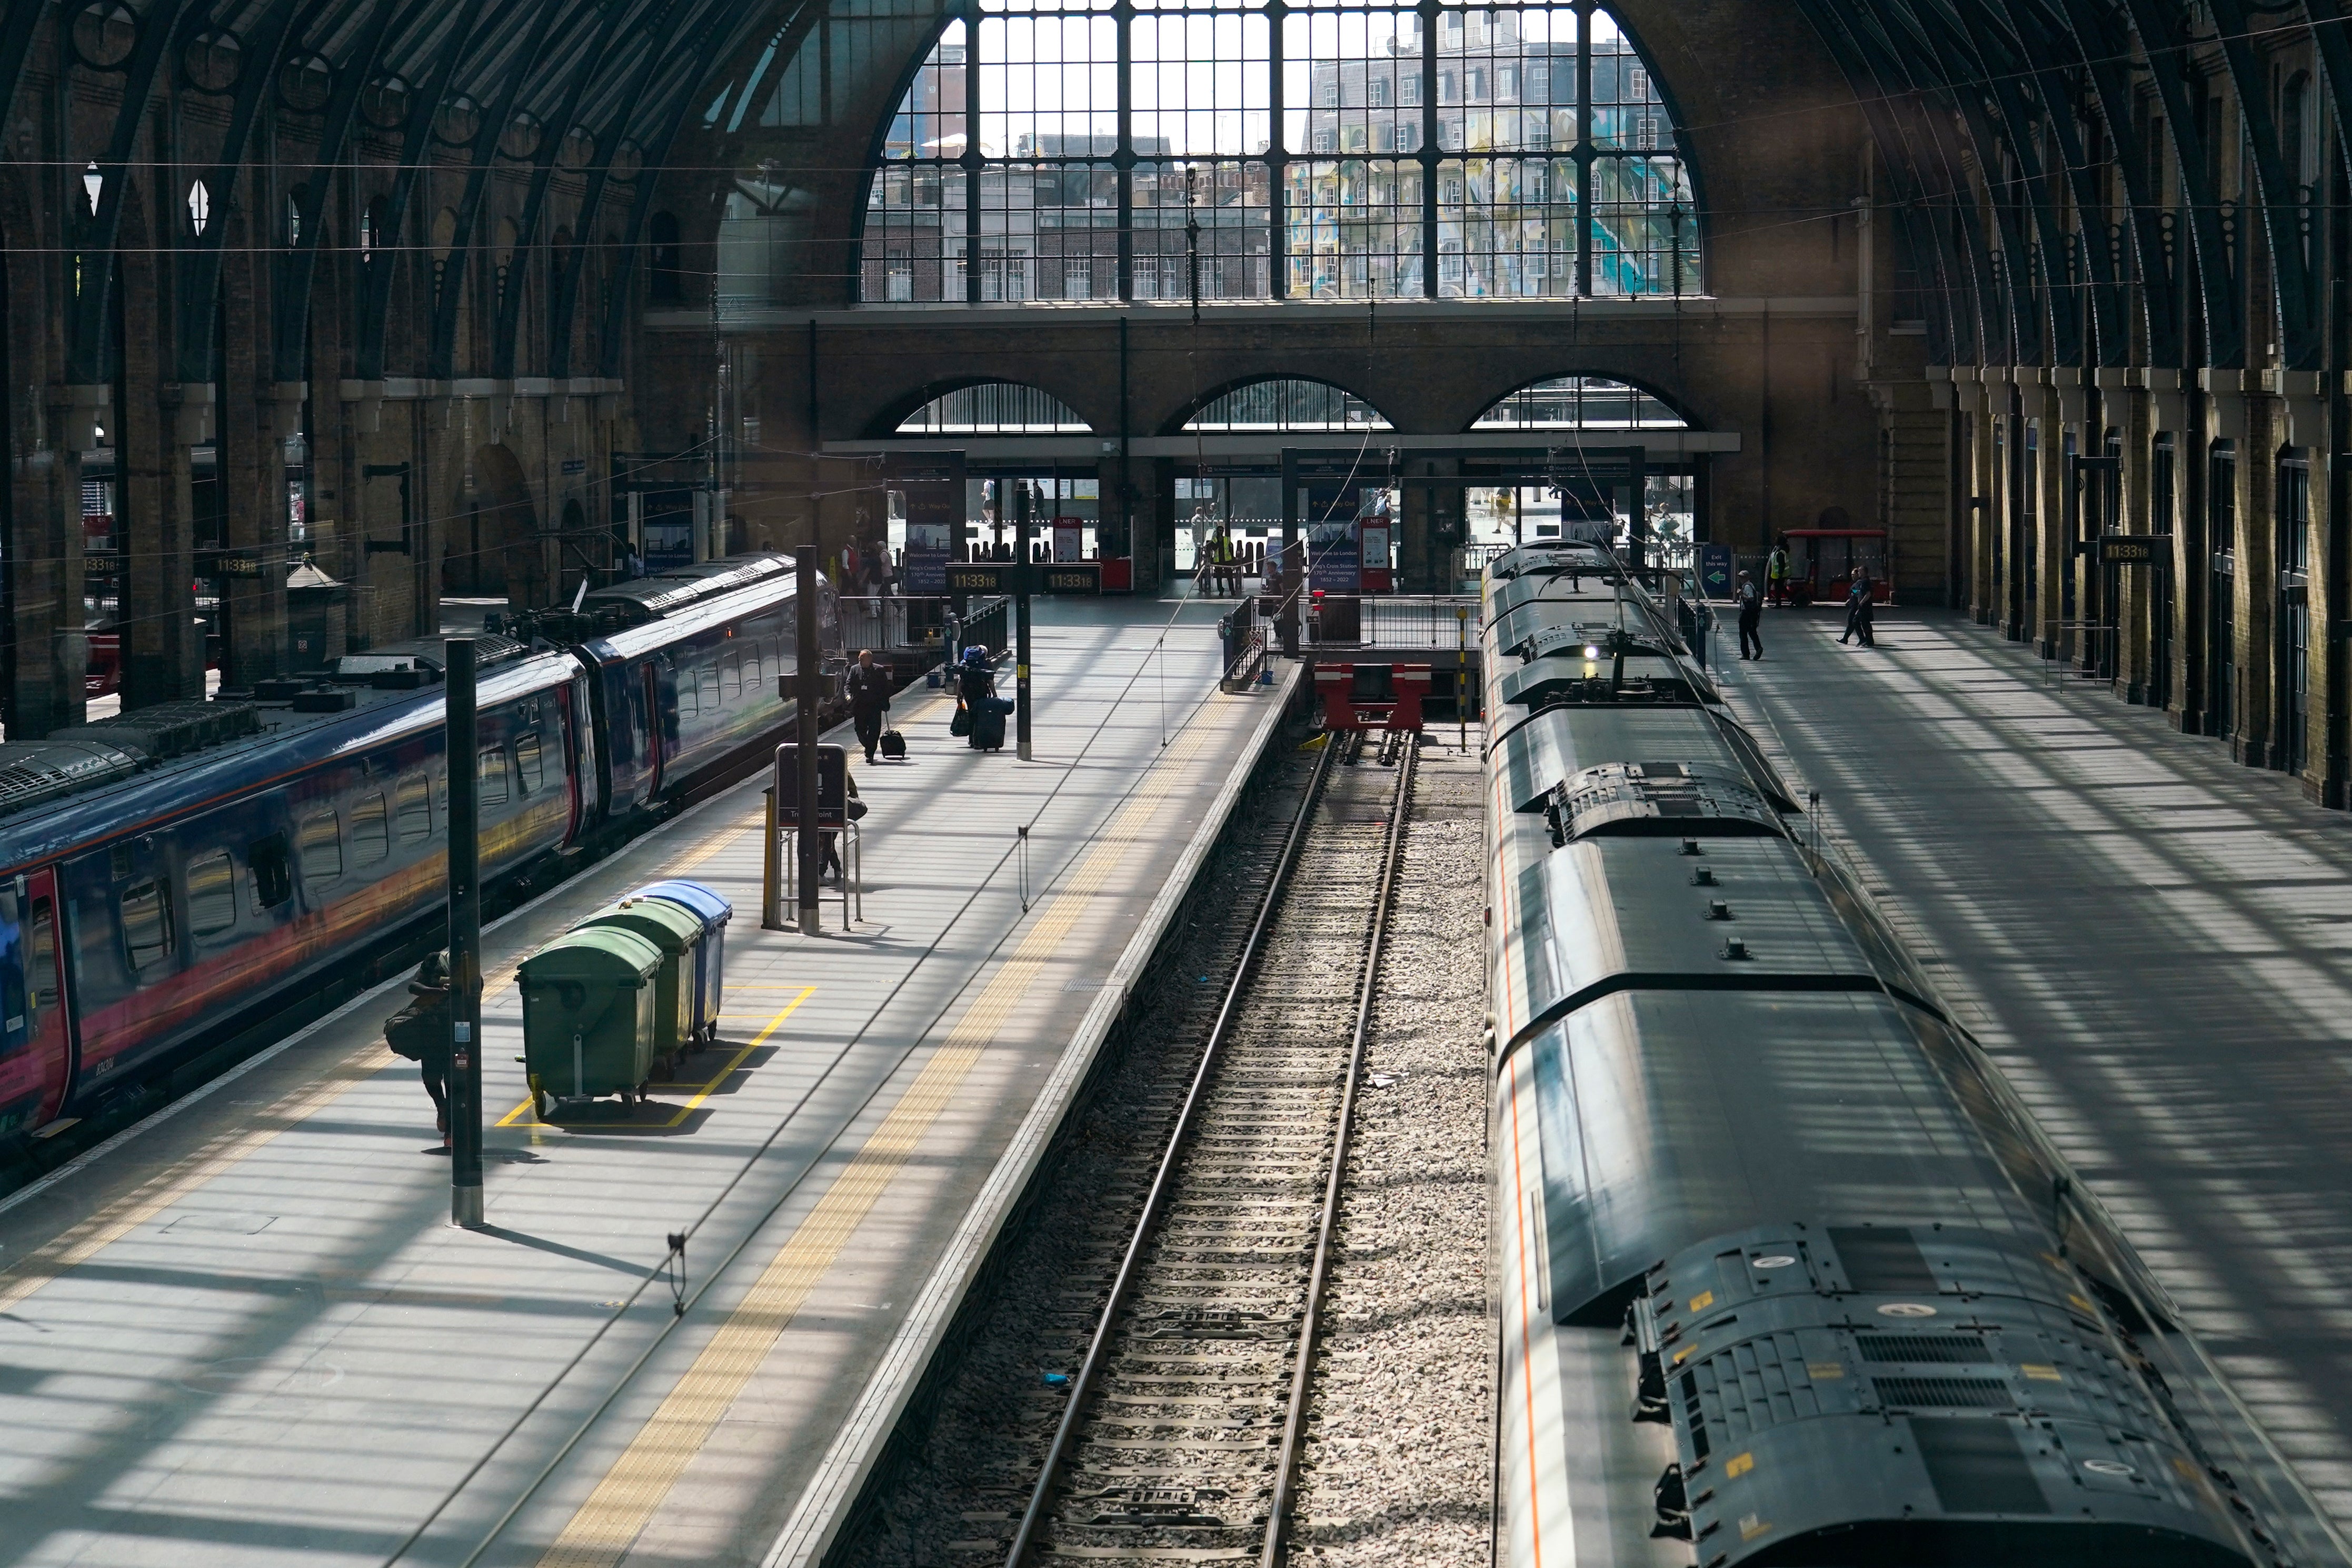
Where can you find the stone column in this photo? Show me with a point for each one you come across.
(2226, 420)
(2304, 421)
(1979, 503)
(2126, 409)
(52, 652)
(2168, 411)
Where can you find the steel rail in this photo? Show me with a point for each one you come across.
(1293, 1426)
(1164, 1179)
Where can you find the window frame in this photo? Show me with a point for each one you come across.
(306, 843)
(381, 840)
(166, 947)
(197, 899)
(1626, 224)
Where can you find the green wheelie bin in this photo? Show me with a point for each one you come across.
(676, 932)
(588, 1001)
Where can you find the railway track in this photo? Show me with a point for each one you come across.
(1180, 1433)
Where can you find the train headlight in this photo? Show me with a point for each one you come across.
(1591, 650)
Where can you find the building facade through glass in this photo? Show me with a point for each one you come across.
(1072, 150)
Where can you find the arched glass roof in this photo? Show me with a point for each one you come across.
(1579, 402)
(1287, 404)
(1071, 150)
(995, 408)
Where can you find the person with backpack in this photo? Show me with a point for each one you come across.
(980, 712)
(1858, 612)
(420, 1031)
(869, 698)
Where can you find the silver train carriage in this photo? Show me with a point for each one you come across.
(1770, 1288)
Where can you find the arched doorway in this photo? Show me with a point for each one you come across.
(492, 548)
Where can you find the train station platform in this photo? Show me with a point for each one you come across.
(244, 1333)
(2146, 937)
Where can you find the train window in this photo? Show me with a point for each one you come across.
(710, 686)
(273, 876)
(212, 895)
(731, 679)
(685, 703)
(117, 862)
(752, 671)
(527, 763)
(413, 798)
(371, 829)
(490, 769)
(321, 848)
(147, 925)
(41, 954)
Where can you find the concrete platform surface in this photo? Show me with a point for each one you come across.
(245, 1333)
(2148, 938)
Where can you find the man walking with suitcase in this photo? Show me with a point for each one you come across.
(869, 699)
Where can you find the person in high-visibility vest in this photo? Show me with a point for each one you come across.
(1776, 574)
(1221, 559)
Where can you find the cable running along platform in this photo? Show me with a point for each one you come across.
(1184, 1425)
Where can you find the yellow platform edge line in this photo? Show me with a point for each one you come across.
(615, 1513)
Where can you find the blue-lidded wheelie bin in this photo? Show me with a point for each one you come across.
(588, 1016)
(676, 932)
(710, 957)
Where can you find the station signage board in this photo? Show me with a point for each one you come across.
(1074, 577)
(2134, 550)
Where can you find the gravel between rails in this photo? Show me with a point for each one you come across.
(1398, 1460)
(954, 1500)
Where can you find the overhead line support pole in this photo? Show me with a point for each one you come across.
(465, 940)
(808, 694)
(1024, 571)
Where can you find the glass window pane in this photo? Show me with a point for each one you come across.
(147, 925)
(371, 829)
(212, 895)
(415, 797)
(1506, 228)
(490, 777)
(320, 846)
(1351, 82)
(1229, 201)
(1644, 238)
(1353, 228)
(1201, 85)
(528, 766)
(1506, 80)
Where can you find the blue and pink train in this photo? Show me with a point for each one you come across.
(146, 897)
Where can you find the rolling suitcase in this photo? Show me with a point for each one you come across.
(894, 746)
(987, 727)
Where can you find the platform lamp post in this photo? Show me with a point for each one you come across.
(1023, 570)
(465, 941)
(808, 696)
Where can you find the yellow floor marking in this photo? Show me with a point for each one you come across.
(734, 1062)
(609, 1522)
(80, 1243)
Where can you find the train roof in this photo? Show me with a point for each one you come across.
(109, 787)
(647, 599)
(686, 619)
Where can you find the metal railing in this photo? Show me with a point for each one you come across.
(1431, 620)
(987, 624)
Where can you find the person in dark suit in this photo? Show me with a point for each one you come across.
(869, 699)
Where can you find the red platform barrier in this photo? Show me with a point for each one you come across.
(1371, 697)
